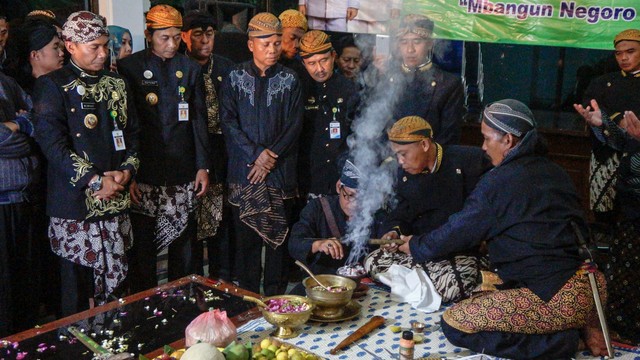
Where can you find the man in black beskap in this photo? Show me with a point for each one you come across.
(174, 149)
(330, 100)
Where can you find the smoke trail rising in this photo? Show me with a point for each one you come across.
(371, 154)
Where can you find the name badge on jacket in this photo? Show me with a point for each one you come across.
(118, 139)
(334, 130)
(183, 111)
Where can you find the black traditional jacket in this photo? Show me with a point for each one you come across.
(435, 95)
(75, 115)
(426, 200)
(171, 151)
(329, 109)
(262, 112)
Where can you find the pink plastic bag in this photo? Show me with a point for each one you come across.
(213, 327)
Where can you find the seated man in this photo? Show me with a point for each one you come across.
(433, 183)
(526, 209)
(315, 238)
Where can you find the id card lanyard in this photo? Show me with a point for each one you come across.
(183, 106)
(117, 134)
(334, 126)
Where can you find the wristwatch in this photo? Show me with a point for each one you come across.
(96, 184)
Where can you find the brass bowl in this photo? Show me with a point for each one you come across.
(329, 305)
(287, 322)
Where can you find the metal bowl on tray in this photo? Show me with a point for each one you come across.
(287, 322)
(330, 303)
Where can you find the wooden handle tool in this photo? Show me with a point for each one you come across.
(373, 324)
(385, 241)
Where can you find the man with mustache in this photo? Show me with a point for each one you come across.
(330, 102)
(174, 149)
(261, 116)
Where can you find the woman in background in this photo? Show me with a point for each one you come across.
(120, 45)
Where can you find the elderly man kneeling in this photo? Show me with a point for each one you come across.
(524, 208)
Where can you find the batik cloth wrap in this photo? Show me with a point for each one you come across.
(100, 245)
(410, 129)
(521, 311)
(211, 99)
(83, 27)
(264, 24)
(170, 205)
(262, 209)
(622, 282)
(602, 181)
(209, 208)
(293, 19)
(416, 24)
(627, 35)
(162, 17)
(454, 278)
(314, 42)
(209, 211)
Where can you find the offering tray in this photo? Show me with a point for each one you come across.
(141, 323)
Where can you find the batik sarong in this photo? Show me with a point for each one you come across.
(170, 205)
(454, 278)
(522, 311)
(100, 245)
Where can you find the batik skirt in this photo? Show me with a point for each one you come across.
(521, 311)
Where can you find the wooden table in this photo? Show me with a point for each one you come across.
(157, 316)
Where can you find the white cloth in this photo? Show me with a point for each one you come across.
(412, 286)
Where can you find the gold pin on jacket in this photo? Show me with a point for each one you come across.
(91, 121)
(152, 98)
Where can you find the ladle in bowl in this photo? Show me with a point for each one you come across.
(305, 268)
(257, 301)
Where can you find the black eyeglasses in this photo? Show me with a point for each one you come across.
(348, 197)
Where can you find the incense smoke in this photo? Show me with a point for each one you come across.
(372, 156)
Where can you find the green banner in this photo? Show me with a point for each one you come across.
(581, 23)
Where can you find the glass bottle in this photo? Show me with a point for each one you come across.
(407, 346)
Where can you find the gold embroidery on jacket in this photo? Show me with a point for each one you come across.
(80, 166)
(109, 89)
(133, 161)
(95, 207)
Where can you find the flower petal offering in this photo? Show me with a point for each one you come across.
(287, 306)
